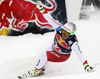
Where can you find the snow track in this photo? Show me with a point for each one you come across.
(20, 54)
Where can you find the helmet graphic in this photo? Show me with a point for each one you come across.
(70, 28)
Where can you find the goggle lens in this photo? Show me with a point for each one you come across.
(66, 33)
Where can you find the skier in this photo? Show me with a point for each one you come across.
(65, 41)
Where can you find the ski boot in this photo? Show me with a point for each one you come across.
(32, 73)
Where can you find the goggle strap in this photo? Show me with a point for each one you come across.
(73, 33)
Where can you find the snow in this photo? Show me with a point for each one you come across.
(19, 54)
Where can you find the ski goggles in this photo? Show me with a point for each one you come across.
(66, 33)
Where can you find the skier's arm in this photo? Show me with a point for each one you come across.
(75, 47)
(55, 24)
(59, 28)
(51, 21)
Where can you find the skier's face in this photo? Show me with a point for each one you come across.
(65, 35)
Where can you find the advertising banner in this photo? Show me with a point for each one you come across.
(25, 16)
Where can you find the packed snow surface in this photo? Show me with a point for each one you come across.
(19, 54)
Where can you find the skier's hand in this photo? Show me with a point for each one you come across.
(39, 5)
(88, 68)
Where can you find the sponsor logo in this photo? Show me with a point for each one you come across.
(16, 13)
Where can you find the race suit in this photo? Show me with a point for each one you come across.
(61, 50)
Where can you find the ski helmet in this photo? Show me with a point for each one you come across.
(70, 28)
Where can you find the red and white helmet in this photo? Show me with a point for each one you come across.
(70, 28)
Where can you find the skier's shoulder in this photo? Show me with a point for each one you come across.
(59, 32)
(71, 40)
(74, 38)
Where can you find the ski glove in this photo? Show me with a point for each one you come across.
(88, 68)
(39, 5)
